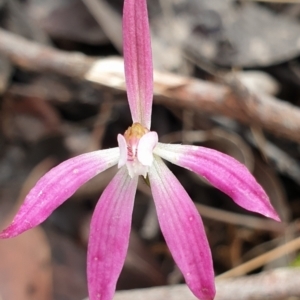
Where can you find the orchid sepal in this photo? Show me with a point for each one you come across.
(58, 185)
(109, 235)
(183, 230)
(138, 61)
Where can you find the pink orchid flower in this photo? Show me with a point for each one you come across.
(139, 153)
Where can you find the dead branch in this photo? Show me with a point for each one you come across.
(36, 57)
(276, 284)
(274, 115)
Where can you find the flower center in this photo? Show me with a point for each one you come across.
(132, 136)
(136, 147)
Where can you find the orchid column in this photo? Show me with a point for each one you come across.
(139, 154)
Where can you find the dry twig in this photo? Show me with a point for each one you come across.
(263, 259)
(239, 219)
(275, 284)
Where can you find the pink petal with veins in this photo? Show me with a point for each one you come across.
(138, 60)
(145, 148)
(58, 185)
(109, 235)
(223, 172)
(183, 230)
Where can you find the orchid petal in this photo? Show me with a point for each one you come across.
(123, 150)
(138, 60)
(183, 230)
(58, 185)
(223, 172)
(145, 148)
(109, 235)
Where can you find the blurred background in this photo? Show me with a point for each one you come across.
(223, 67)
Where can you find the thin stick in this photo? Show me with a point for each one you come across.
(239, 219)
(262, 259)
